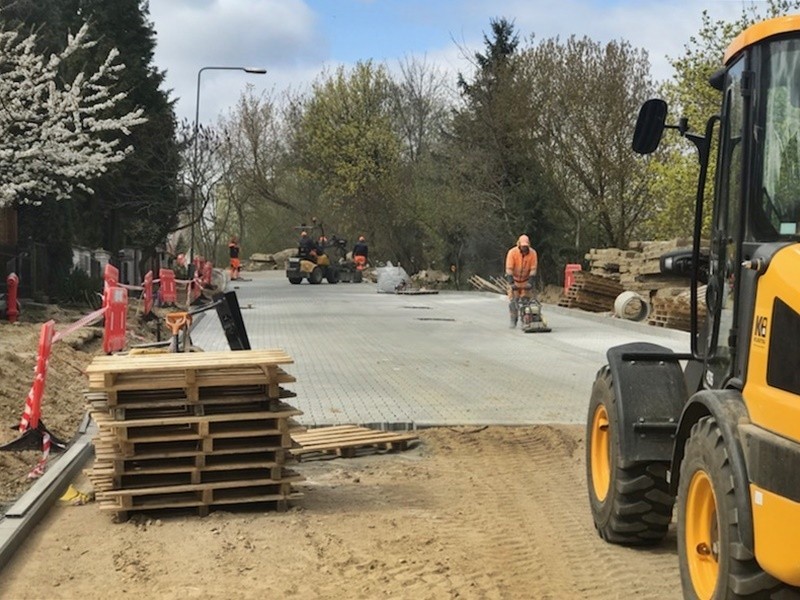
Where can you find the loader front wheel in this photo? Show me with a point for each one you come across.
(713, 561)
(630, 505)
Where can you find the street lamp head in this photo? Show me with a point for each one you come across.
(255, 70)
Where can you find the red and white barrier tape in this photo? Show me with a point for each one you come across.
(82, 322)
(38, 470)
(136, 288)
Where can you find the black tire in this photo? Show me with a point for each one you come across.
(346, 276)
(315, 276)
(295, 280)
(357, 277)
(738, 575)
(332, 275)
(636, 508)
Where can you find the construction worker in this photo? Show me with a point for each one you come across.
(360, 252)
(233, 249)
(306, 248)
(521, 264)
(322, 243)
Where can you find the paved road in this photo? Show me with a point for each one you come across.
(444, 359)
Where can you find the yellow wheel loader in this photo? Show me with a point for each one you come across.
(715, 432)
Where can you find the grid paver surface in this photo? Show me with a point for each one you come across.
(444, 359)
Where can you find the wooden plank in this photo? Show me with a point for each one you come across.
(290, 477)
(104, 421)
(117, 364)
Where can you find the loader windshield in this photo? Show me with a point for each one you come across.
(778, 215)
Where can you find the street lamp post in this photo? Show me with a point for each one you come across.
(196, 131)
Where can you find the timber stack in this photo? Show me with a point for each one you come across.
(590, 292)
(637, 269)
(192, 431)
(671, 307)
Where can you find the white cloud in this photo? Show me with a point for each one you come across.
(288, 38)
(279, 35)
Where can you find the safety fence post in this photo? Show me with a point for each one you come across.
(33, 403)
(167, 290)
(12, 287)
(110, 280)
(115, 300)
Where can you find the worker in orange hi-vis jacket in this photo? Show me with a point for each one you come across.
(521, 264)
(233, 248)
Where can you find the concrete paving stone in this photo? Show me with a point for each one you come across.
(444, 359)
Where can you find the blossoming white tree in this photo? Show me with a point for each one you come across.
(56, 135)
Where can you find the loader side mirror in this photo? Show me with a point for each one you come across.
(679, 263)
(649, 126)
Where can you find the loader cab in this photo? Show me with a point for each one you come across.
(756, 203)
(756, 207)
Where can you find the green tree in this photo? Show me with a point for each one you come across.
(585, 97)
(135, 203)
(492, 155)
(347, 144)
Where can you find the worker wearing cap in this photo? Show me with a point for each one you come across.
(521, 264)
(233, 250)
(360, 252)
(306, 248)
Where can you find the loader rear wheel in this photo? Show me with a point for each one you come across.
(630, 505)
(357, 277)
(315, 276)
(713, 561)
(295, 280)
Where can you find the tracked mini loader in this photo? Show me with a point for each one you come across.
(721, 437)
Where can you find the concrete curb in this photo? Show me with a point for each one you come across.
(25, 513)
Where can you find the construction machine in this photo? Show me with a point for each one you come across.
(312, 261)
(716, 430)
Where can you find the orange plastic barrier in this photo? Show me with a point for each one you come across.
(115, 299)
(12, 285)
(168, 290)
(110, 280)
(148, 293)
(569, 275)
(33, 403)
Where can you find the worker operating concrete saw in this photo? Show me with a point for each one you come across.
(521, 265)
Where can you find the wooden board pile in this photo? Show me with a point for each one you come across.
(671, 308)
(192, 431)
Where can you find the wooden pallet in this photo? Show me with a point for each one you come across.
(186, 374)
(347, 440)
(202, 497)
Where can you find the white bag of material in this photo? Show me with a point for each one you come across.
(391, 278)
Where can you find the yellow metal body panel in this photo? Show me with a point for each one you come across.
(761, 31)
(776, 410)
(776, 522)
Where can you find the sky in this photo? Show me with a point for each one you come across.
(297, 40)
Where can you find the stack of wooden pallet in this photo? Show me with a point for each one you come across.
(592, 293)
(191, 431)
(671, 307)
(638, 268)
